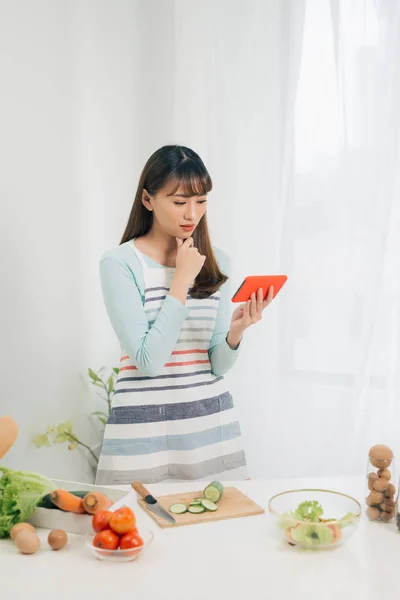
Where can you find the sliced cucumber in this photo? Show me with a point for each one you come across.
(214, 491)
(211, 495)
(178, 508)
(196, 509)
(208, 505)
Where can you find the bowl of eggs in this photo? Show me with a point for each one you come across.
(314, 518)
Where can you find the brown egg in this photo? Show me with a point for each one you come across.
(391, 490)
(384, 473)
(380, 456)
(374, 498)
(19, 527)
(373, 514)
(388, 505)
(372, 477)
(27, 542)
(381, 484)
(57, 539)
(385, 516)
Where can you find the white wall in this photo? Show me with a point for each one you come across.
(89, 89)
(68, 148)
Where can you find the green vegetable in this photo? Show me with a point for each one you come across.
(309, 510)
(308, 534)
(346, 520)
(196, 509)
(211, 494)
(20, 494)
(178, 508)
(208, 505)
(213, 491)
(312, 535)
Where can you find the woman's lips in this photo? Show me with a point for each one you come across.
(188, 227)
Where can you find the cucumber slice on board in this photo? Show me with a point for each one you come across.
(214, 491)
(208, 505)
(196, 509)
(178, 508)
(196, 502)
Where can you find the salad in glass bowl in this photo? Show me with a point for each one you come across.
(313, 518)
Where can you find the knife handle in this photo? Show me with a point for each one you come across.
(143, 492)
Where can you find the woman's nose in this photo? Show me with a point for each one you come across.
(190, 213)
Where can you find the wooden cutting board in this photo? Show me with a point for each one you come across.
(233, 504)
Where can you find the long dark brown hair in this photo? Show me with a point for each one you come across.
(179, 166)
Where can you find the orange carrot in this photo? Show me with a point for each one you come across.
(94, 502)
(67, 501)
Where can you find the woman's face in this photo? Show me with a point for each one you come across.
(176, 215)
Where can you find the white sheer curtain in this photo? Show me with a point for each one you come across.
(341, 352)
(293, 106)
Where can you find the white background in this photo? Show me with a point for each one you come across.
(293, 106)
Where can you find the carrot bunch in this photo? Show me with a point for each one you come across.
(91, 503)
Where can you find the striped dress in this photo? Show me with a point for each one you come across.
(178, 425)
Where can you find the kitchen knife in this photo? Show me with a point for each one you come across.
(151, 502)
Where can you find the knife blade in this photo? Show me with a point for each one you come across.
(151, 502)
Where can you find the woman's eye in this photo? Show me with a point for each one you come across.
(183, 203)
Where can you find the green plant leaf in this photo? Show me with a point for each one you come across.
(72, 445)
(41, 440)
(103, 420)
(93, 375)
(60, 438)
(96, 383)
(110, 384)
(116, 370)
(66, 426)
(100, 413)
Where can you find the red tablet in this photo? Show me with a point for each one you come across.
(254, 282)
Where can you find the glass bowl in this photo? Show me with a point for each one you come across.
(332, 527)
(119, 555)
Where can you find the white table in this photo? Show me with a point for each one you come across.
(233, 559)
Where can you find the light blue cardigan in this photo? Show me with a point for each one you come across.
(122, 283)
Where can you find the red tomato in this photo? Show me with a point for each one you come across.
(106, 539)
(122, 520)
(100, 521)
(131, 539)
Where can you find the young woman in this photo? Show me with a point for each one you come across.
(166, 294)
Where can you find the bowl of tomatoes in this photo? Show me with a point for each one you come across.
(116, 537)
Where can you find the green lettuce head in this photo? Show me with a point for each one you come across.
(20, 493)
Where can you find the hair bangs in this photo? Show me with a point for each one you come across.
(191, 179)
